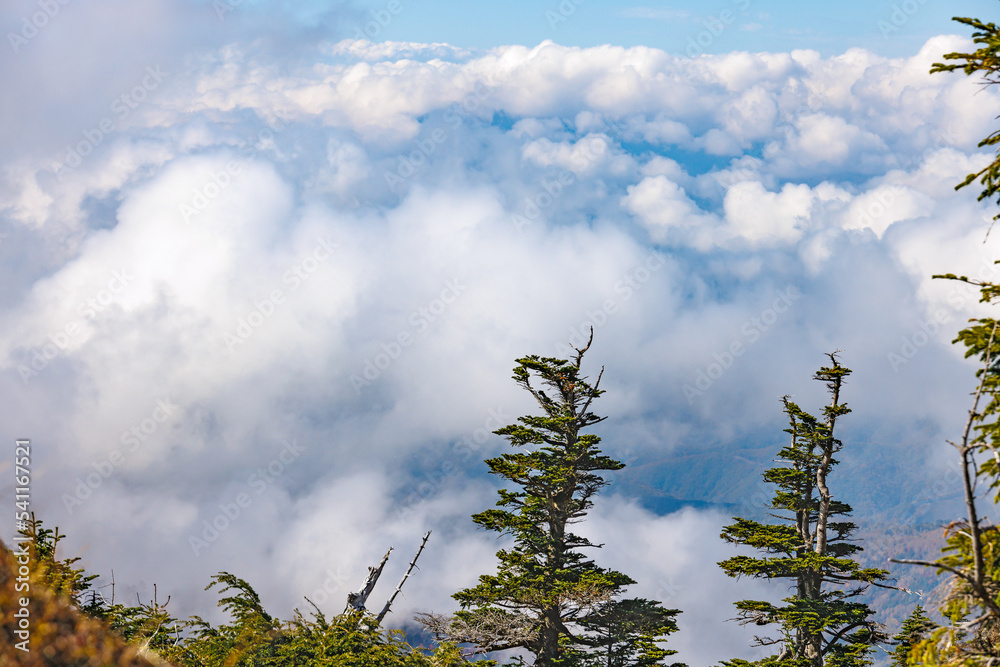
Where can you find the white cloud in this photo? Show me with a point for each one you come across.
(662, 206)
(822, 139)
(763, 217)
(581, 157)
(673, 560)
(660, 130)
(697, 192)
(362, 49)
(880, 207)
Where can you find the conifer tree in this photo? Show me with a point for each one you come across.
(254, 638)
(984, 61)
(58, 575)
(821, 623)
(68, 629)
(971, 555)
(547, 596)
(916, 628)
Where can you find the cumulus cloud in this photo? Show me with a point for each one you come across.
(667, 556)
(662, 206)
(819, 138)
(343, 250)
(760, 216)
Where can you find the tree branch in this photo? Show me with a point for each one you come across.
(399, 587)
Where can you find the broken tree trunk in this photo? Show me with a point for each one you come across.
(356, 601)
(385, 609)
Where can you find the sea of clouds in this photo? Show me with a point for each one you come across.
(259, 313)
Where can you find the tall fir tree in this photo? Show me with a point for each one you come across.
(822, 623)
(547, 596)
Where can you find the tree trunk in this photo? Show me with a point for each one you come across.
(356, 601)
(549, 639)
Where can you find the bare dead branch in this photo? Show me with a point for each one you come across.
(489, 630)
(581, 351)
(399, 587)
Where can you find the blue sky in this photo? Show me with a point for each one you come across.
(243, 253)
(889, 28)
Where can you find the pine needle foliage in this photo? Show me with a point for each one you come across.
(548, 597)
(985, 61)
(822, 624)
(916, 628)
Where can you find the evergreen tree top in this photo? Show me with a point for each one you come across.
(821, 624)
(547, 596)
